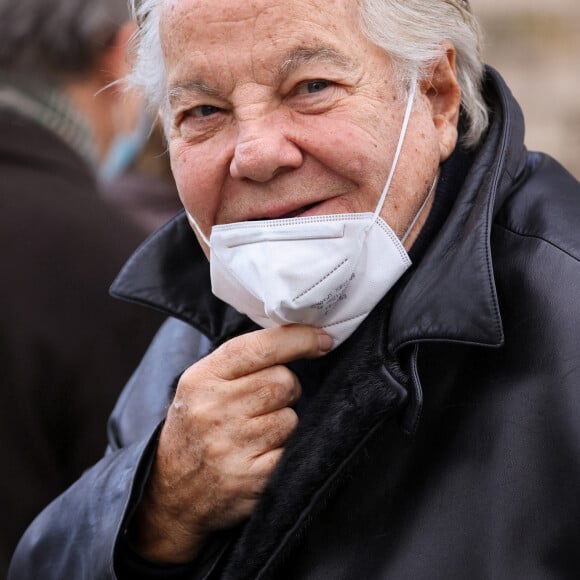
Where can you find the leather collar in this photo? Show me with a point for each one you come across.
(451, 294)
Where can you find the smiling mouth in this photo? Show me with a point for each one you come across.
(290, 214)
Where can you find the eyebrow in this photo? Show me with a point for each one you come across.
(303, 56)
(179, 90)
(293, 61)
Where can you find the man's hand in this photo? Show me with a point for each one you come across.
(224, 435)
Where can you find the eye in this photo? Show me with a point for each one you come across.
(316, 86)
(203, 111)
(311, 87)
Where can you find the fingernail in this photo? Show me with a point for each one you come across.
(325, 342)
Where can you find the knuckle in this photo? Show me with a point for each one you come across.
(193, 383)
(187, 379)
(270, 462)
(232, 349)
(254, 350)
(257, 342)
(271, 386)
(179, 407)
(198, 416)
(263, 348)
(289, 419)
(285, 383)
(266, 392)
(217, 452)
(276, 385)
(281, 375)
(179, 413)
(279, 425)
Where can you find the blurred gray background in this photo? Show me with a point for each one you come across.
(535, 44)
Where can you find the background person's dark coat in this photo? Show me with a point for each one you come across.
(66, 347)
(443, 442)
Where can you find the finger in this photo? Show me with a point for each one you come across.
(269, 390)
(270, 431)
(265, 348)
(265, 463)
(252, 395)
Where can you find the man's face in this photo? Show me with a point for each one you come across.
(282, 108)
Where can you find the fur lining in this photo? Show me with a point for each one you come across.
(357, 395)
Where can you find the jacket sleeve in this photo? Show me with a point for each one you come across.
(76, 535)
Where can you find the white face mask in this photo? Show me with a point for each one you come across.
(326, 271)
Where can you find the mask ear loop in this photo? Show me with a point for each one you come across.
(196, 227)
(406, 118)
(420, 211)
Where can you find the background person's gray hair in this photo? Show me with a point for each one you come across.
(411, 31)
(57, 38)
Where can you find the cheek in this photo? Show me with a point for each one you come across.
(349, 149)
(199, 180)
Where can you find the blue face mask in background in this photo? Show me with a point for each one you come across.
(125, 148)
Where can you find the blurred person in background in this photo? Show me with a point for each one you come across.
(136, 175)
(66, 347)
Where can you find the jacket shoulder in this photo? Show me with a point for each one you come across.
(545, 205)
(536, 261)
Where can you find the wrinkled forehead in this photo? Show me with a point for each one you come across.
(222, 7)
(194, 17)
(188, 15)
(218, 6)
(256, 29)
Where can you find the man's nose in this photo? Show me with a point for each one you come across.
(263, 151)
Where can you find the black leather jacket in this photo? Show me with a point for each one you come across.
(443, 441)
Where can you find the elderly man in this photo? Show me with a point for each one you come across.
(385, 380)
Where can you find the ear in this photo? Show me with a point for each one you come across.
(114, 63)
(443, 94)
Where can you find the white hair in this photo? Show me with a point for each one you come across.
(148, 74)
(412, 32)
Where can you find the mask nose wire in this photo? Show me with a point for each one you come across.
(404, 126)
